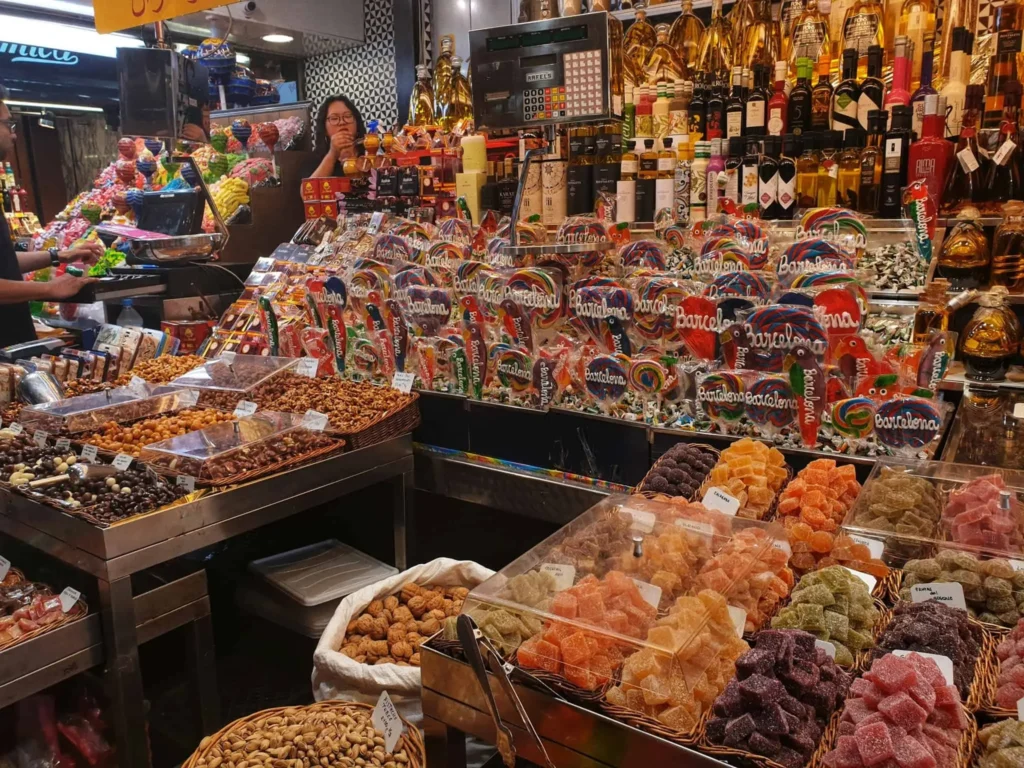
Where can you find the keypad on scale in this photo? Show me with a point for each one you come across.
(584, 83)
(544, 103)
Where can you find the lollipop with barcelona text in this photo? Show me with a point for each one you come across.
(647, 379)
(807, 378)
(721, 396)
(770, 403)
(513, 369)
(606, 378)
(538, 292)
(908, 425)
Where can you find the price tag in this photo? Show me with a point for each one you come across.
(739, 619)
(944, 663)
(122, 461)
(89, 452)
(314, 420)
(39, 437)
(951, 593)
(783, 545)
(16, 428)
(5, 567)
(875, 547)
(1020, 709)
(704, 529)
(642, 521)
(402, 381)
(563, 574)
(967, 160)
(1017, 565)
(650, 593)
(68, 598)
(386, 720)
(827, 647)
(307, 367)
(1003, 153)
(63, 444)
(719, 500)
(867, 578)
(245, 408)
(188, 398)
(1018, 411)
(227, 357)
(187, 482)
(138, 385)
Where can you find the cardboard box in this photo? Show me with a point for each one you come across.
(314, 209)
(329, 208)
(310, 190)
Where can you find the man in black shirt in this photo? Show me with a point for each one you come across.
(15, 293)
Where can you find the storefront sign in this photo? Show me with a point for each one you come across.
(115, 15)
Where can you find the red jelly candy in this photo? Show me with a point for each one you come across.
(874, 744)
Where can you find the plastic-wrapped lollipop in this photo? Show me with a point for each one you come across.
(722, 397)
(91, 212)
(135, 199)
(126, 148)
(218, 165)
(126, 172)
(120, 202)
(188, 173)
(146, 165)
(241, 130)
(155, 146)
(269, 134)
(219, 59)
(219, 141)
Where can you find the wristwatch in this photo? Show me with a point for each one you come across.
(54, 257)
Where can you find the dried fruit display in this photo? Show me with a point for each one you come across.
(901, 712)
(1003, 744)
(899, 502)
(131, 438)
(750, 472)
(590, 547)
(783, 695)
(833, 605)
(1010, 683)
(160, 370)
(507, 629)
(679, 472)
(985, 513)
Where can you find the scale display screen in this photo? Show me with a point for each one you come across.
(540, 37)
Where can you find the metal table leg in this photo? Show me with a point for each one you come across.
(445, 746)
(123, 673)
(202, 665)
(402, 502)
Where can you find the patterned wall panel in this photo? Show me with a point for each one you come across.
(364, 73)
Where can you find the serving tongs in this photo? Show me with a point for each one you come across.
(476, 646)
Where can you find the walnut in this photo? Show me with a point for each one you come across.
(457, 606)
(403, 664)
(355, 638)
(387, 616)
(351, 628)
(365, 645)
(434, 601)
(459, 593)
(429, 627)
(379, 648)
(350, 650)
(375, 608)
(384, 660)
(415, 659)
(396, 632)
(437, 613)
(371, 659)
(418, 606)
(360, 658)
(402, 614)
(379, 630)
(391, 602)
(446, 606)
(401, 650)
(409, 591)
(364, 624)
(414, 639)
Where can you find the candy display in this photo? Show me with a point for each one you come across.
(782, 698)
(29, 608)
(985, 513)
(751, 473)
(131, 438)
(894, 267)
(901, 502)
(1010, 681)
(161, 370)
(680, 471)
(1002, 744)
(23, 460)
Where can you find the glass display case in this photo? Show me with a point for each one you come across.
(227, 380)
(121, 405)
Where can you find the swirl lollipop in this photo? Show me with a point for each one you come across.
(146, 165)
(775, 331)
(606, 379)
(647, 377)
(642, 254)
(854, 417)
(812, 255)
(770, 402)
(270, 134)
(655, 309)
(455, 231)
(126, 172)
(126, 148)
(745, 285)
(907, 424)
(536, 290)
(241, 130)
(407, 277)
(155, 146)
(135, 199)
(721, 395)
(188, 173)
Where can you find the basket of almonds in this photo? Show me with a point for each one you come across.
(331, 733)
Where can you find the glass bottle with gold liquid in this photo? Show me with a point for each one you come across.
(917, 24)
(740, 17)
(716, 54)
(663, 63)
(991, 338)
(931, 315)
(684, 35)
(790, 12)
(964, 256)
(762, 43)
(1008, 248)
(638, 41)
(863, 26)
(421, 100)
(462, 97)
(444, 97)
(811, 36)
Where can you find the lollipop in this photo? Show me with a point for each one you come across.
(907, 423)
(146, 165)
(188, 173)
(447, 256)
(120, 202)
(514, 369)
(774, 331)
(839, 224)
(654, 316)
(721, 395)
(537, 291)
(604, 311)
(126, 148)
(219, 141)
(412, 275)
(811, 255)
(241, 130)
(429, 309)
(218, 165)
(269, 135)
(770, 402)
(606, 378)
(393, 248)
(455, 231)
(647, 377)
(739, 284)
(839, 310)
(155, 146)
(126, 172)
(643, 254)
(854, 417)
(135, 199)
(698, 325)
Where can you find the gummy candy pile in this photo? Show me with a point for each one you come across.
(993, 590)
(974, 515)
(834, 605)
(751, 573)
(680, 471)
(587, 659)
(931, 627)
(1004, 745)
(1010, 685)
(677, 687)
(901, 712)
(783, 695)
(588, 549)
(900, 502)
(751, 472)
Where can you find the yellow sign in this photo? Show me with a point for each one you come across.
(115, 15)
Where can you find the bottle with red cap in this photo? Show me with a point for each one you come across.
(931, 155)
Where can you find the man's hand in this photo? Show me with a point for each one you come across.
(342, 145)
(65, 286)
(88, 253)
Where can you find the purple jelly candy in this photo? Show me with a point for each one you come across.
(729, 703)
(758, 661)
(760, 744)
(758, 690)
(771, 720)
(738, 730)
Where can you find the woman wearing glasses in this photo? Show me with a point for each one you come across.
(338, 127)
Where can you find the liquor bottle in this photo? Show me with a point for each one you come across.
(798, 117)
(925, 88)
(821, 97)
(644, 121)
(845, 99)
(964, 184)
(917, 24)
(628, 115)
(871, 162)
(699, 181)
(955, 89)
(790, 12)
(645, 182)
(666, 177)
(462, 97)
(681, 188)
(762, 43)
(735, 107)
(895, 164)
(715, 126)
(931, 155)
(807, 173)
(663, 63)
(748, 175)
(660, 111)
(778, 105)
(442, 85)
(864, 28)
(715, 55)
(787, 176)
(872, 88)
(828, 167)
(1002, 68)
(755, 107)
(678, 123)
(1008, 248)
(638, 41)
(768, 179)
(741, 17)
(848, 182)
(648, 161)
(421, 100)
(990, 339)
(899, 94)
(931, 315)
(716, 168)
(733, 170)
(685, 34)
(1003, 180)
(629, 167)
(698, 115)
(811, 37)
(964, 257)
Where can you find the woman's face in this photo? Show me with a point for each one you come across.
(340, 120)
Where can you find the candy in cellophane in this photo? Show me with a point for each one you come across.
(840, 226)
(656, 301)
(770, 403)
(812, 254)
(754, 237)
(532, 305)
(721, 396)
(603, 309)
(512, 377)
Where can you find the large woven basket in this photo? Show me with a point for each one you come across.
(394, 423)
(232, 738)
(744, 758)
(650, 473)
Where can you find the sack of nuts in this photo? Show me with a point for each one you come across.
(372, 642)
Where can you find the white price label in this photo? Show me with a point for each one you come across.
(783, 545)
(967, 160)
(68, 598)
(188, 398)
(5, 567)
(1017, 565)
(63, 443)
(89, 452)
(650, 593)
(1003, 153)
(386, 720)
(403, 381)
(563, 574)
(704, 529)
(16, 428)
(944, 663)
(827, 647)
(227, 357)
(1020, 709)
(867, 578)
(307, 367)
(245, 408)
(39, 437)
(739, 619)
(187, 482)
(950, 593)
(642, 521)
(122, 461)
(719, 500)
(875, 547)
(314, 420)
(1018, 411)
(138, 385)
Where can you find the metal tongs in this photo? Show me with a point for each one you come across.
(475, 646)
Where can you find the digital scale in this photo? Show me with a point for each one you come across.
(546, 72)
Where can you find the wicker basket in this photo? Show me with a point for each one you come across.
(649, 724)
(743, 758)
(988, 705)
(572, 692)
(897, 584)
(78, 611)
(650, 473)
(411, 740)
(769, 513)
(394, 423)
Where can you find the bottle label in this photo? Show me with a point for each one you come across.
(893, 150)
(864, 105)
(629, 166)
(734, 124)
(808, 39)
(649, 164)
(661, 125)
(748, 184)
(775, 121)
(844, 112)
(1002, 154)
(954, 116)
(732, 184)
(666, 163)
(768, 191)
(755, 114)
(663, 194)
(787, 194)
(1008, 42)
(681, 196)
(698, 189)
(677, 122)
(712, 192)
(917, 120)
(967, 160)
(860, 31)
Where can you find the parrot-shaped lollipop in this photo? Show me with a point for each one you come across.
(808, 382)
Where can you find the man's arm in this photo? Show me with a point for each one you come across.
(17, 291)
(30, 261)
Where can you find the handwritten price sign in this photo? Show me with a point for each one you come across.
(115, 15)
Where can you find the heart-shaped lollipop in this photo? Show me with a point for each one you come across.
(126, 148)
(269, 135)
(242, 130)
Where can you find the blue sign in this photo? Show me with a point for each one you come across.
(33, 54)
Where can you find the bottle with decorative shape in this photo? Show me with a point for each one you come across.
(811, 37)
(965, 181)
(964, 257)
(917, 24)
(762, 43)
(462, 98)
(716, 53)
(990, 339)
(663, 63)
(638, 41)
(1008, 248)
(685, 34)
(444, 97)
(421, 100)
(864, 27)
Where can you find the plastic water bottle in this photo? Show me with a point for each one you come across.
(129, 317)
